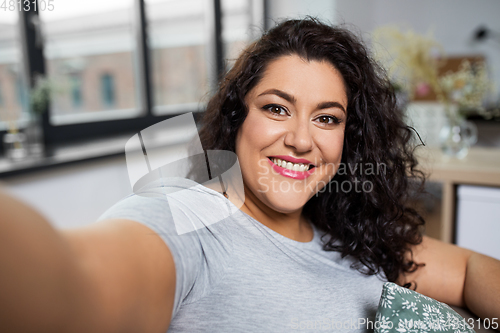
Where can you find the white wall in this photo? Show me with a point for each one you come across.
(451, 21)
(323, 9)
(73, 195)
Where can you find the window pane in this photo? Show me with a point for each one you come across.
(90, 56)
(108, 90)
(76, 90)
(238, 27)
(13, 95)
(177, 35)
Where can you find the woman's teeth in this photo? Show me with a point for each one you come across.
(290, 166)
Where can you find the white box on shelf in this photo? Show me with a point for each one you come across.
(478, 219)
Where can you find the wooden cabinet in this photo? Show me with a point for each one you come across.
(480, 167)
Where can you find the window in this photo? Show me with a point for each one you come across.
(116, 66)
(76, 91)
(13, 110)
(20, 91)
(178, 36)
(108, 90)
(242, 22)
(91, 37)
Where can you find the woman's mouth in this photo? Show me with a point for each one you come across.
(291, 167)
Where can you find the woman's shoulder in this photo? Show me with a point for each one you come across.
(195, 224)
(172, 204)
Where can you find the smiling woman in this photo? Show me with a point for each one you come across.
(303, 107)
(295, 121)
(310, 91)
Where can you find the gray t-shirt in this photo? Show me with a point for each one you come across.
(237, 275)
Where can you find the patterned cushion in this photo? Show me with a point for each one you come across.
(403, 310)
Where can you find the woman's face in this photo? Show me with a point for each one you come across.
(290, 144)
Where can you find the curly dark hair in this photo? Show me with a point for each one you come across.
(375, 227)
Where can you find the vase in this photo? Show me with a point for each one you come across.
(15, 146)
(458, 134)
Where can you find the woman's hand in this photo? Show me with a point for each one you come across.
(111, 276)
(457, 276)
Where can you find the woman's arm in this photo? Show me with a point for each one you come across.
(457, 276)
(112, 276)
(482, 286)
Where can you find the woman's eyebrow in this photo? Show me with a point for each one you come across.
(327, 105)
(292, 99)
(281, 94)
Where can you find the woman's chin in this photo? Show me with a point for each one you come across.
(286, 204)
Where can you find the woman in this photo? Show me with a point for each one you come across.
(307, 112)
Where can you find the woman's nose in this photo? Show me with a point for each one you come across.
(299, 136)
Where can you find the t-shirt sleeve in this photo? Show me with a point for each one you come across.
(187, 249)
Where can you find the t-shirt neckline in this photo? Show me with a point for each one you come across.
(283, 239)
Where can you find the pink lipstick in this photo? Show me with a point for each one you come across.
(291, 173)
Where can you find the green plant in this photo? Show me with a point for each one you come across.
(40, 95)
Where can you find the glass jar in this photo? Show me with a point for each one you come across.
(15, 146)
(458, 134)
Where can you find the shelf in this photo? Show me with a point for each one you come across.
(64, 154)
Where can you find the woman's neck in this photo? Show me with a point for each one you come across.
(291, 225)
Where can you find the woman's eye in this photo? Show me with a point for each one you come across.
(328, 120)
(275, 109)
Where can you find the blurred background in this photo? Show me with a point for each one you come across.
(79, 78)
